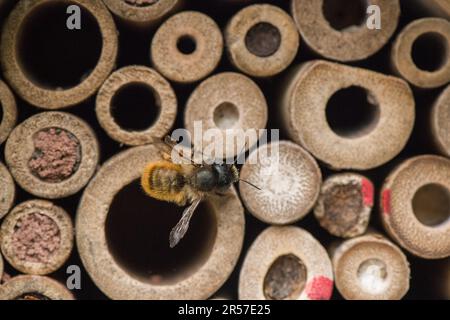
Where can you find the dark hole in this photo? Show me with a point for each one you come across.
(32, 296)
(342, 14)
(186, 44)
(431, 204)
(135, 106)
(430, 51)
(352, 112)
(54, 56)
(137, 232)
(263, 39)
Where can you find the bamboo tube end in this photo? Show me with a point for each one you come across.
(8, 112)
(145, 90)
(36, 144)
(344, 205)
(141, 12)
(289, 179)
(223, 103)
(8, 191)
(440, 122)
(262, 40)
(415, 206)
(423, 72)
(28, 287)
(59, 78)
(37, 237)
(286, 263)
(340, 32)
(361, 135)
(110, 235)
(187, 47)
(371, 268)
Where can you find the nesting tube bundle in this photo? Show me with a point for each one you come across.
(187, 47)
(230, 104)
(7, 191)
(344, 205)
(50, 87)
(340, 32)
(389, 115)
(431, 74)
(440, 122)
(415, 206)
(8, 111)
(165, 105)
(262, 40)
(28, 287)
(37, 237)
(197, 275)
(370, 267)
(286, 263)
(289, 179)
(52, 154)
(141, 12)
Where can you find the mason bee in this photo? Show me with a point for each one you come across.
(184, 184)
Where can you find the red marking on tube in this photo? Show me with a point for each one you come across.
(367, 192)
(320, 288)
(386, 201)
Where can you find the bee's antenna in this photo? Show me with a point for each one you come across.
(249, 183)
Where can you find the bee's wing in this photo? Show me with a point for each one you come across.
(178, 232)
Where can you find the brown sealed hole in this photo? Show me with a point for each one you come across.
(141, 3)
(32, 296)
(226, 115)
(263, 39)
(352, 112)
(430, 51)
(186, 44)
(373, 277)
(431, 204)
(137, 233)
(342, 14)
(57, 155)
(343, 205)
(135, 107)
(53, 56)
(36, 238)
(285, 279)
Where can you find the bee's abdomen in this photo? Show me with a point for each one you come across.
(164, 180)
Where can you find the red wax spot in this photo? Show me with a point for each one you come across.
(386, 201)
(367, 192)
(320, 288)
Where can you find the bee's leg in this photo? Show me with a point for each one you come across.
(166, 156)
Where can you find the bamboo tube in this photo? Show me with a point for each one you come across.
(289, 181)
(187, 47)
(52, 154)
(340, 32)
(110, 236)
(435, 7)
(415, 206)
(440, 122)
(1, 268)
(51, 66)
(136, 87)
(7, 191)
(262, 40)
(370, 267)
(227, 103)
(27, 287)
(345, 204)
(8, 111)
(430, 35)
(142, 12)
(286, 263)
(37, 237)
(347, 117)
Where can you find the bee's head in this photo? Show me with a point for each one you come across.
(227, 174)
